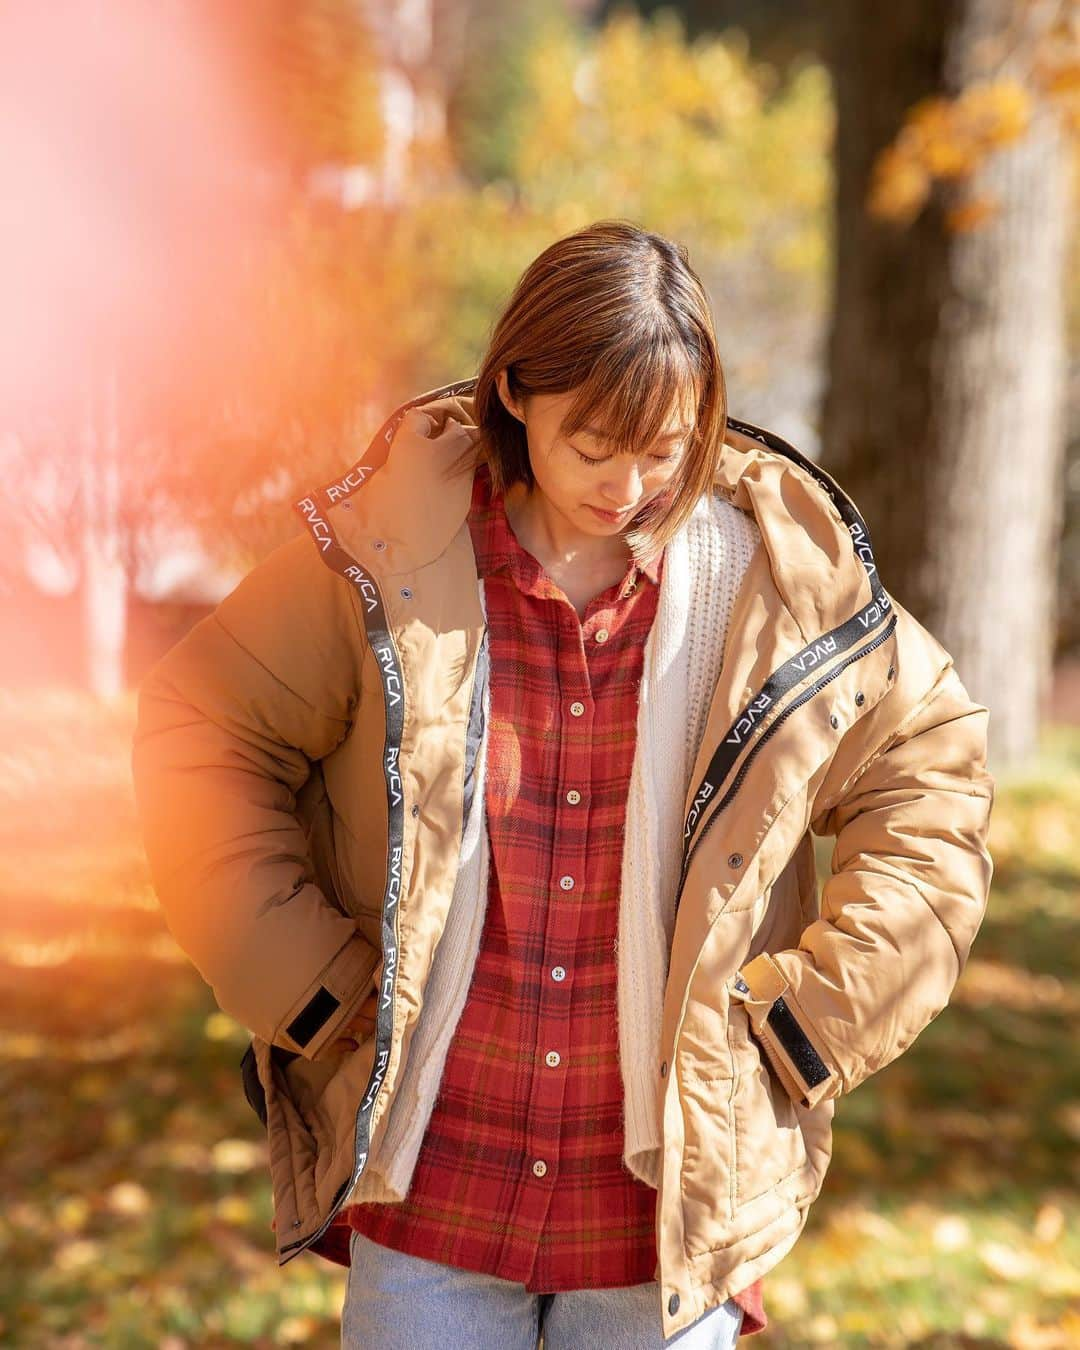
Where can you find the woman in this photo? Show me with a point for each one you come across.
(501, 837)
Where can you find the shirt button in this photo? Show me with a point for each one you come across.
(601, 635)
(539, 1168)
(552, 1058)
(558, 973)
(573, 796)
(576, 709)
(567, 883)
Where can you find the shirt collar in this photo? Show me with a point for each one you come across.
(497, 547)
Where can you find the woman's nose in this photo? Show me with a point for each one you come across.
(623, 489)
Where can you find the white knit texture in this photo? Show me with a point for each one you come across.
(703, 569)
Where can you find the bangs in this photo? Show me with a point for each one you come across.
(629, 399)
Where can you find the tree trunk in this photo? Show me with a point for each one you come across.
(944, 416)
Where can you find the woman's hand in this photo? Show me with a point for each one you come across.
(359, 1026)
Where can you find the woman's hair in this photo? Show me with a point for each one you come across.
(616, 313)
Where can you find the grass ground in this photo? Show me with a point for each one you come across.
(136, 1197)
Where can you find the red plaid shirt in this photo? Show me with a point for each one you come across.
(520, 1172)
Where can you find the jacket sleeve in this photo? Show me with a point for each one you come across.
(909, 887)
(229, 721)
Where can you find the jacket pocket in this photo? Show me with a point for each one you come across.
(768, 1139)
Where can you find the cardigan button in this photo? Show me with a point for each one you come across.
(673, 1304)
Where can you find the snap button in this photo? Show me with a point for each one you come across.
(860, 699)
(892, 672)
(834, 720)
(378, 544)
(577, 709)
(573, 796)
(415, 810)
(735, 860)
(406, 593)
(673, 1304)
(663, 1069)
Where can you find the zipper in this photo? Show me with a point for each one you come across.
(804, 697)
(361, 1155)
(388, 659)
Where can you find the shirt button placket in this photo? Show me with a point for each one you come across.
(569, 850)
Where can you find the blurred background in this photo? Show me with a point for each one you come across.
(233, 237)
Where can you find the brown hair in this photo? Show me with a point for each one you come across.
(616, 313)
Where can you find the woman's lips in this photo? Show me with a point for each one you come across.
(611, 516)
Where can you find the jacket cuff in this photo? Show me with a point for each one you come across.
(311, 1025)
(792, 1046)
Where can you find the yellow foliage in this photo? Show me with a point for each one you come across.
(969, 215)
(636, 120)
(899, 186)
(996, 112)
(948, 139)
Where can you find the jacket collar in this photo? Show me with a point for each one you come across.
(410, 508)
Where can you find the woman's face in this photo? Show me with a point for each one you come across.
(580, 476)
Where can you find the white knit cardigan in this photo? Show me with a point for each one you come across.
(704, 565)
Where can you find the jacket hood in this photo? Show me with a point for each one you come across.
(412, 507)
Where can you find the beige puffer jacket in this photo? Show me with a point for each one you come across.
(302, 769)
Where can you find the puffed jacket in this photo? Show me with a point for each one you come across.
(303, 761)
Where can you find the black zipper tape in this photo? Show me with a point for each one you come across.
(389, 663)
(804, 697)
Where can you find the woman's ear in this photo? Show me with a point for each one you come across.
(502, 383)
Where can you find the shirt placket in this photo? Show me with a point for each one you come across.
(566, 874)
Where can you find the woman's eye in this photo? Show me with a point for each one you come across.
(589, 459)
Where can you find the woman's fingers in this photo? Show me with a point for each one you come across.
(360, 1025)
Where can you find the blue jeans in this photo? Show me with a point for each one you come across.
(395, 1301)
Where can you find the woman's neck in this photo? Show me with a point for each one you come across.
(553, 541)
